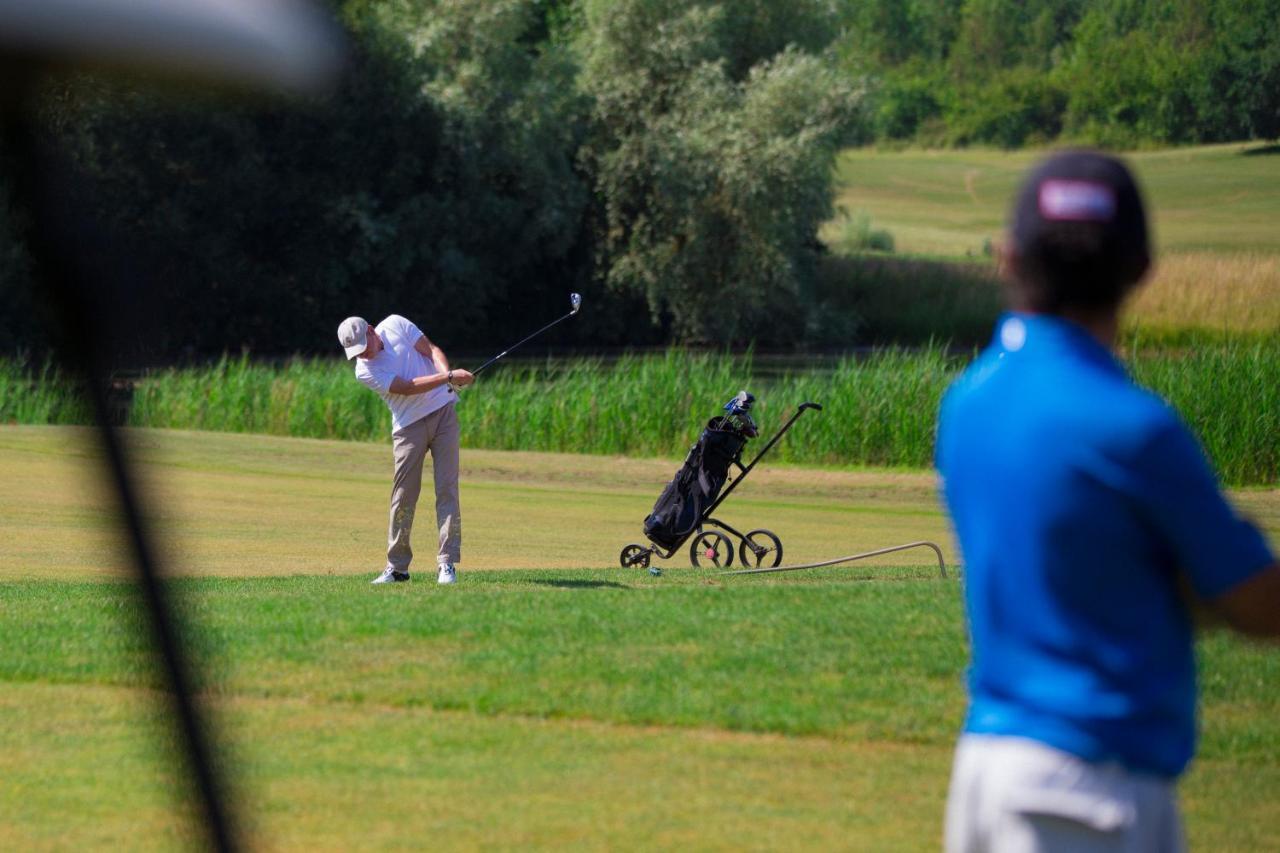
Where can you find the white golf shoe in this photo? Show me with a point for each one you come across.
(448, 574)
(390, 575)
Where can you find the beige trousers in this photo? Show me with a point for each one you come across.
(437, 433)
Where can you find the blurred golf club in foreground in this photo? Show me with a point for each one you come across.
(279, 46)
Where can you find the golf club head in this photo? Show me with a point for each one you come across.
(575, 302)
(284, 44)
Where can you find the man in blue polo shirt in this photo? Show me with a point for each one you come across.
(1089, 523)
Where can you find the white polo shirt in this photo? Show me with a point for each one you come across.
(399, 358)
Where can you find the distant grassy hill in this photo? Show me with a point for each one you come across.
(1219, 198)
(1214, 211)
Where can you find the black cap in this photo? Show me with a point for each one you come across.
(1080, 230)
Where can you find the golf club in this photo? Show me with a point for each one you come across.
(575, 302)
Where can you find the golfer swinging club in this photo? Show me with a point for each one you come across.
(1091, 524)
(412, 376)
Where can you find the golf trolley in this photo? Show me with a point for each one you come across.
(683, 510)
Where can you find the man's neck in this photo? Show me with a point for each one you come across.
(1104, 326)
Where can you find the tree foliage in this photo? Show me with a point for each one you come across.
(712, 152)
(670, 159)
(436, 181)
(480, 159)
(1110, 72)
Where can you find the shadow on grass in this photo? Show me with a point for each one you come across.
(911, 301)
(580, 584)
(1261, 150)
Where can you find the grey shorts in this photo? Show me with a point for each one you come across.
(1010, 795)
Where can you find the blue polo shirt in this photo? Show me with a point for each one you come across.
(1078, 500)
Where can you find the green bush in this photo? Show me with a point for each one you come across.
(903, 102)
(1011, 108)
(1104, 72)
(854, 233)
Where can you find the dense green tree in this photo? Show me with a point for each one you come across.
(1143, 72)
(264, 220)
(513, 121)
(439, 180)
(15, 294)
(712, 163)
(1112, 72)
(884, 34)
(672, 159)
(478, 161)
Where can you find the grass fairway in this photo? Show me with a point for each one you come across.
(236, 505)
(551, 700)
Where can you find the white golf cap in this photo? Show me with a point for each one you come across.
(353, 334)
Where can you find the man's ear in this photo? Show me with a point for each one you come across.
(1006, 258)
(1009, 269)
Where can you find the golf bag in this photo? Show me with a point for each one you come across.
(698, 482)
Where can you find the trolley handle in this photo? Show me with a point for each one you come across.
(744, 470)
(777, 436)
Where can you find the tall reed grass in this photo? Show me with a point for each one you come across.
(878, 410)
(1224, 294)
(305, 398)
(39, 395)
(1230, 396)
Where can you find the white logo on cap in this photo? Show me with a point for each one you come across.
(1077, 201)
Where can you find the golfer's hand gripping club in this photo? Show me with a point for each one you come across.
(459, 379)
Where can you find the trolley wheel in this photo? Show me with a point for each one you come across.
(634, 557)
(760, 549)
(713, 547)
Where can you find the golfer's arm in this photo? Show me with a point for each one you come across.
(419, 384)
(438, 356)
(1253, 607)
(433, 352)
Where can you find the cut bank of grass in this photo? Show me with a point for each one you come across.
(861, 653)
(236, 505)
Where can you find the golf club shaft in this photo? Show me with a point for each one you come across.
(526, 340)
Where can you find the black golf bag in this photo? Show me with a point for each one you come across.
(684, 509)
(698, 482)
